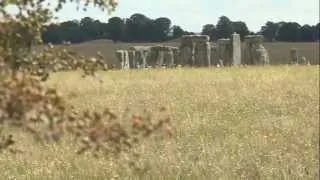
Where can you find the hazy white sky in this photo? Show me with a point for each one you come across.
(192, 15)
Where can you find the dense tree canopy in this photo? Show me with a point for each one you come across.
(137, 28)
(140, 28)
(290, 32)
(224, 27)
(210, 30)
(270, 30)
(177, 31)
(240, 28)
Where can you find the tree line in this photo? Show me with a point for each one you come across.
(137, 28)
(272, 31)
(140, 28)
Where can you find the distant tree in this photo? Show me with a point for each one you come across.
(116, 28)
(270, 30)
(138, 27)
(71, 31)
(51, 34)
(224, 27)
(240, 28)
(188, 33)
(317, 32)
(90, 28)
(161, 28)
(103, 30)
(307, 33)
(177, 31)
(289, 32)
(210, 30)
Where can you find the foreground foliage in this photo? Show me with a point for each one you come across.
(27, 104)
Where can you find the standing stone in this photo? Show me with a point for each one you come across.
(186, 56)
(195, 50)
(208, 54)
(144, 59)
(294, 57)
(193, 54)
(263, 55)
(132, 59)
(255, 52)
(214, 57)
(221, 63)
(304, 61)
(126, 64)
(171, 58)
(160, 58)
(123, 57)
(142, 54)
(236, 46)
(147, 56)
(225, 51)
(161, 55)
(119, 54)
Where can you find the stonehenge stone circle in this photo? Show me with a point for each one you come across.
(198, 51)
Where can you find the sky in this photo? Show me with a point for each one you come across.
(191, 15)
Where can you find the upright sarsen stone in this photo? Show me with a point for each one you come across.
(236, 48)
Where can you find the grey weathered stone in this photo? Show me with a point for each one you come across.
(123, 57)
(220, 64)
(141, 54)
(208, 54)
(255, 52)
(195, 50)
(236, 47)
(263, 55)
(304, 61)
(214, 54)
(132, 59)
(294, 57)
(185, 55)
(225, 51)
(171, 59)
(148, 56)
(164, 55)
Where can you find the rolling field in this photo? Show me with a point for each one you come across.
(229, 123)
(279, 51)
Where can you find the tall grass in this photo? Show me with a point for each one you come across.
(230, 123)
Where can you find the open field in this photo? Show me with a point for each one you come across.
(230, 123)
(279, 51)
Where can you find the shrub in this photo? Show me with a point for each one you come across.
(27, 104)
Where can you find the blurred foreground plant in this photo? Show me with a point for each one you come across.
(27, 104)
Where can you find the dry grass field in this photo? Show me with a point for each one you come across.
(279, 51)
(229, 123)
